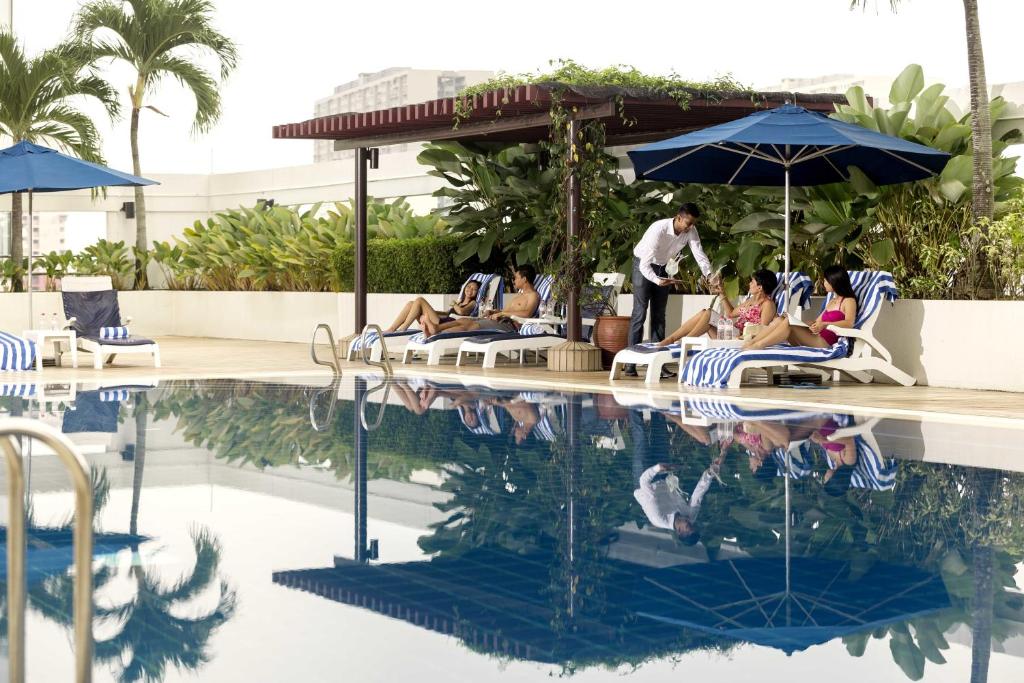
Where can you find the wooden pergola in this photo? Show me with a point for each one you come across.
(522, 115)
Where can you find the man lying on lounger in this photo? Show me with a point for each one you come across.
(522, 305)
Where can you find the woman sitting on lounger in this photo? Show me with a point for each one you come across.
(757, 308)
(420, 308)
(841, 312)
(522, 305)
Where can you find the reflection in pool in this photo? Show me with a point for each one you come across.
(562, 533)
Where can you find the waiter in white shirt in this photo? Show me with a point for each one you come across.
(664, 504)
(661, 243)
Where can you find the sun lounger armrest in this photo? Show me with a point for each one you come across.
(855, 430)
(70, 324)
(866, 337)
(128, 320)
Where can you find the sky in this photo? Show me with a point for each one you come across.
(293, 53)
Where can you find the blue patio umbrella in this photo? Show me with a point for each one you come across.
(785, 146)
(27, 167)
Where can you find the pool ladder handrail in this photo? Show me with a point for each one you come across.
(83, 544)
(386, 386)
(314, 399)
(334, 364)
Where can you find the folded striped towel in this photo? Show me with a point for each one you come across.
(114, 333)
(16, 353)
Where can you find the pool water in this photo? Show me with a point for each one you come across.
(270, 531)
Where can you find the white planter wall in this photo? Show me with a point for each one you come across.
(958, 344)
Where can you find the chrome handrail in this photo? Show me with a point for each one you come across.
(333, 364)
(385, 362)
(83, 540)
(386, 386)
(320, 426)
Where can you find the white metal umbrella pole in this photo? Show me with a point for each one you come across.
(31, 254)
(786, 299)
(789, 469)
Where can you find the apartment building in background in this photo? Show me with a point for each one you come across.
(391, 87)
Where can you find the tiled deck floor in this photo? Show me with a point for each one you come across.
(185, 357)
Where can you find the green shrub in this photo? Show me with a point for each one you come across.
(409, 266)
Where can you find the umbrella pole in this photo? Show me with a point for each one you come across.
(786, 299)
(31, 255)
(789, 463)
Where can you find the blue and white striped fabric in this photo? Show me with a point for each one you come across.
(723, 410)
(872, 471)
(16, 353)
(488, 423)
(23, 390)
(801, 287)
(712, 367)
(544, 284)
(544, 430)
(800, 463)
(372, 336)
(120, 332)
(114, 395)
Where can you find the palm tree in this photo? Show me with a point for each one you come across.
(158, 39)
(38, 98)
(982, 202)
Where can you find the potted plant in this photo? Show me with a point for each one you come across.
(611, 331)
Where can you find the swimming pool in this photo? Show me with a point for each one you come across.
(268, 531)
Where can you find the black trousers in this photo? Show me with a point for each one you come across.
(647, 293)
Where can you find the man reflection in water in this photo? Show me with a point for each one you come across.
(665, 505)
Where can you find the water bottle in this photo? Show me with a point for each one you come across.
(42, 321)
(55, 325)
(723, 328)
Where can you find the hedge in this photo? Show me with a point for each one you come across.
(418, 265)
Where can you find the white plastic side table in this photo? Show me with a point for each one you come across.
(58, 337)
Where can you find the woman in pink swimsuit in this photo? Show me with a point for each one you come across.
(841, 312)
(758, 308)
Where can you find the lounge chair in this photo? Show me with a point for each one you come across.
(857, 352)
(16, 353)
(539, 337)
(91, 308)
(444, 343)
(657, 357)
(492, 286)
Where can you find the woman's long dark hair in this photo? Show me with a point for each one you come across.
(840, 281)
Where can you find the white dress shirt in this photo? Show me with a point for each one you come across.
(661, 502)
(660, 244)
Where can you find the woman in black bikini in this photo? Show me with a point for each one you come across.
(413, 310)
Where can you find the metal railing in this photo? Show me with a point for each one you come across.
(386, 386)
(334, 364)
(321, 425)
(82, 601)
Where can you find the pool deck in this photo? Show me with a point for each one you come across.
(191, 358)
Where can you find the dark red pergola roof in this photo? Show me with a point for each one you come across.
(521, 114)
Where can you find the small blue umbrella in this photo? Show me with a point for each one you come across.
(784, 146)
(27, 167)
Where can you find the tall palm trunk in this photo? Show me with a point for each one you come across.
(141, 241)
(981, 119)
(17, 237)
(140, 463)
(982, 203)
(986, 489)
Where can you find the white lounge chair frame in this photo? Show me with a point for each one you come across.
(104, 353)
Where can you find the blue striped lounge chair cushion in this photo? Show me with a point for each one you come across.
(544, 284)
(799, 463)
(725, 410)
(120, 332)
(23, 390)
(800, 288)
(873, 471)
(544, 430)
(16, 353)
(372, 337)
